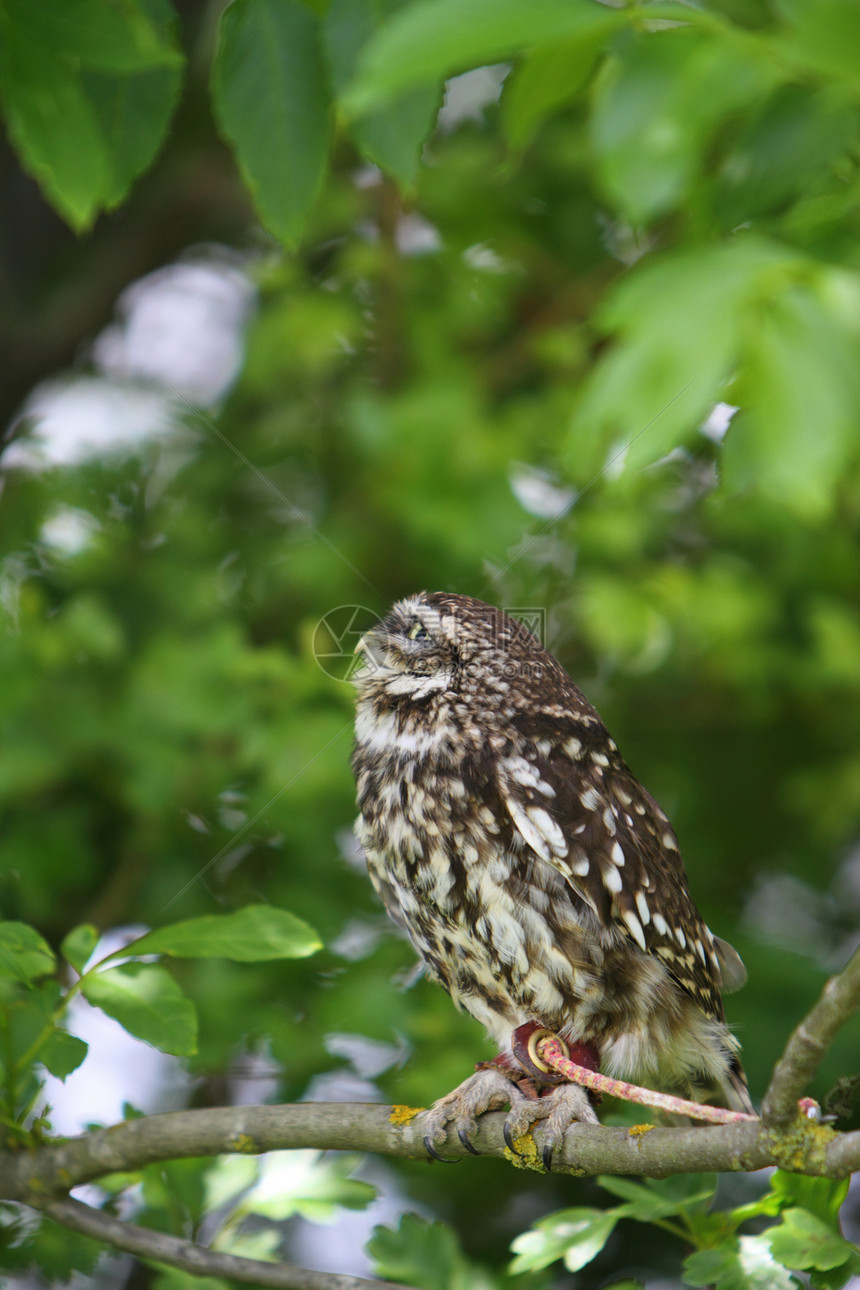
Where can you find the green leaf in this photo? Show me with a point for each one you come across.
(228, 1177)
(176, 1187)
(57, 1252)
(62, 1053)
(823, 35)
(836, 1278)
(792, 146)
(712, 1267)
(79, 944)
(660, 100)
(550, 77)
(801, 371)
(24, 956)
(823, 1197)
(53, 126)
(175, 1279)
(743, 1263)
(302, 1182)
(268, 84)
(147, 1002)
(574, 1235)
(392, 136)
(250, 935)
(803, 1241)
(63, 68)
(435, 38)
(32, 1037)
(680, 320)
(133, 113)
(424, 1255)
(28, 1022)
(112, 35)
(655, 1198)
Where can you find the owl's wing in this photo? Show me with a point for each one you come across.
(576, 805)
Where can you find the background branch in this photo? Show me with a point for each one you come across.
(844, 1154)
(197, 1259)
(809, 1043)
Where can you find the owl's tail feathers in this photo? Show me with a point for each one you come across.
(733, 1090)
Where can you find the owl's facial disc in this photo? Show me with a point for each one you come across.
(406, 655)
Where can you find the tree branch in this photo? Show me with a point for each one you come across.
(809, 1043)
(197, 1259)
(396, 1131)
(844, 1154)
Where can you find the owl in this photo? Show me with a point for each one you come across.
(534, 875)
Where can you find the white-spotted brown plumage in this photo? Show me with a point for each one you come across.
(535, 876)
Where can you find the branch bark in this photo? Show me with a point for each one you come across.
(809, 1043)
(197, 1259)
(395, 1131)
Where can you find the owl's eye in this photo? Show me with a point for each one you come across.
(418, 632)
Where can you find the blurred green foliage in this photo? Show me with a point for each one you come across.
(660, 215)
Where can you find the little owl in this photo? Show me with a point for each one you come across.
(534, 875)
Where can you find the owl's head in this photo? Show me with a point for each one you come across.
(438, 642)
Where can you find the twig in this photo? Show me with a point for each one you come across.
(197, 1259)
(809, 1043)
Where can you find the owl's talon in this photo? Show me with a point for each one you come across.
(509, 1139)
(487, 1090)
(431, 1151)
(549, 1118)
(464, 1138)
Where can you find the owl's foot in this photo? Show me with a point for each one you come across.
(558, 1108)
(487, 1090)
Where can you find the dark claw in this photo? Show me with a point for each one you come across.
(509, 1139)
(431, 1151)
(547, 1158)
(464, 1138)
